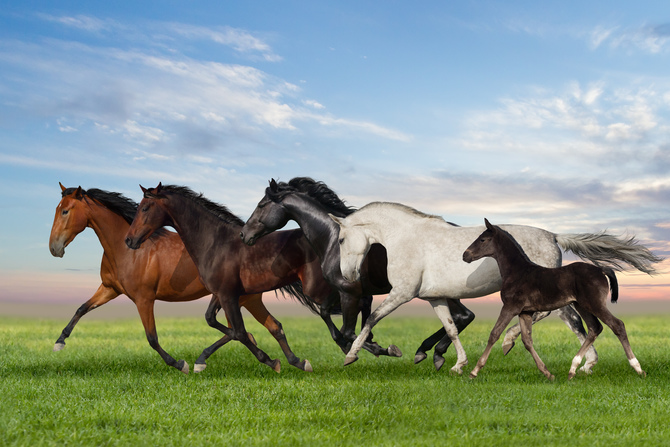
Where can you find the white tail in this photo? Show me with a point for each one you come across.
(605, 249)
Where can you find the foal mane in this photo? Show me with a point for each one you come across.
(218, 210)
(319, 191)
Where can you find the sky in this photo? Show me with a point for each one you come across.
(555, 115)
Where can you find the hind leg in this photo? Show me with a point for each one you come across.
(571, 318)
(595, 328)
(526, 323)
(619, 330)
(513, 333)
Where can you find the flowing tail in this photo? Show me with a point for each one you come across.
(606, 250)
(295, 291)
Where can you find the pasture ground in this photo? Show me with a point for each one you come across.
(108, 387)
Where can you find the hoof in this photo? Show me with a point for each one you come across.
(571, 375)
(457, 370)
(473, 375)
(438, 362)
(276, 365)
(184, 367)
(349, 359)
(308, 367)
(252, 339)
(199, 367)
(420, 357)
(642, 374)
(507, 347)
(586, 369)
(59, 347)
(394, 351)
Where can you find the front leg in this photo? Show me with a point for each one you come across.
(394, 300)
(441, 308)
(103, 295)
(526, 323)
(230, 304)
(506, 315)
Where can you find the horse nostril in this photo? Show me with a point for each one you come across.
(242, 235)
(129, 242)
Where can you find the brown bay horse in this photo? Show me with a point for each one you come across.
(528, 287)
(161, 270)
(227, 266)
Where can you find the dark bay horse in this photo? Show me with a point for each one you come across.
(161, 270)
(528, 287)
(308, 203)
(229, 268)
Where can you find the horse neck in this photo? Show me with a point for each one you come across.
(196, 225)
(110, 227)
(319, 229)
(511, 260)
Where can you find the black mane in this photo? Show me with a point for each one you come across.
(216, 209)
(319, 191)
(116, 202)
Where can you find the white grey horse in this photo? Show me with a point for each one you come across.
(425, 260)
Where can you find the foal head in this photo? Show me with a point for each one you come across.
(151, 216)
(483, 246)
(354, 246)
(269, 215)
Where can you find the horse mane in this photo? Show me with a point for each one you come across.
(218, 210)
(115, 202)
(319, 191)
(407, 210)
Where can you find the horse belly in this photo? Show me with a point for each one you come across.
(462, 281)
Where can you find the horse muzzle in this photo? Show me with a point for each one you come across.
(467, 257)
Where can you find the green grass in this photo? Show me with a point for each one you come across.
(108, 387)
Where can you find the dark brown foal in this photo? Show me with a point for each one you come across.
(528, 288)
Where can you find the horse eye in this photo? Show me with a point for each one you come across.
(145, 209)
(65, 212)
(341, 241)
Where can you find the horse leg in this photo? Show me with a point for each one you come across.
(439, 336)
(506, 315)
(256, 307)
(572, 319)
(391, 303)
(462, 317)
(513, 333)
(145, 307)
(619, 330)
(210, 318)
(103, 295)
(441, 308)
(231, 306)
(526, 323)
(595, 328)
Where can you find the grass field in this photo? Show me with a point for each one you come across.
(108, 387)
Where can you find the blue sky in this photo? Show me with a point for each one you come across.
(554, 115)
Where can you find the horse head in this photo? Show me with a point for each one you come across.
(150, 217)
(70, 220)
(483, 246)
(354, 246)
(269, 215)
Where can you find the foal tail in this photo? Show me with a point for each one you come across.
(614, 284)
(606, 250)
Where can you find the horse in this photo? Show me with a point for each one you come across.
(528, 287)
(308, 202)
(162, 270)
(425, 261)
(227, 267)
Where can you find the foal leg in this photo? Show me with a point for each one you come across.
(506, 315)
(513, 333)
(462, 317)
(572, 319)
(145, 307)
(441, 308)
(526, 323)
(595, 328)
(619, 330)
(103, 295)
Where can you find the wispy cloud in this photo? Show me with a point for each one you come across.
(652, 39)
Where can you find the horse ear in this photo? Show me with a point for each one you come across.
(273, 185)
(336, 219)
(159, 187)
(488, 224)
(62, 188)
(79, 194)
